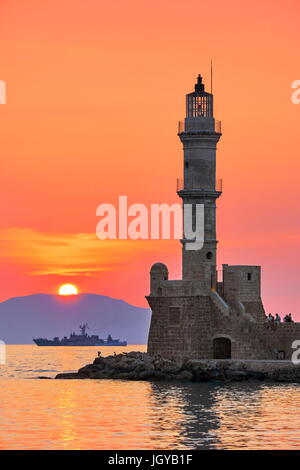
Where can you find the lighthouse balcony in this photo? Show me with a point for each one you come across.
(195, 185)
(193, 125)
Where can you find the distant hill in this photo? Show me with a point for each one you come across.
(43, 315)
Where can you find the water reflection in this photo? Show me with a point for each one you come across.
(67, 407)
(259, 417)
(107, 414)
(236, 416)
(195, 419)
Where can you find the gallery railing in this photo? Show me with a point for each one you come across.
(182, 127)
(218, 185)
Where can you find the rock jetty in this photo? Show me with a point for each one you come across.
(142, 366)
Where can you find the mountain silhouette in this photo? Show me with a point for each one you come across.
(46, 316)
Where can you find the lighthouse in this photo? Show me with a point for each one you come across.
(199, 316)
(199, 134)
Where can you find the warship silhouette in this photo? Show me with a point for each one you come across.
(83, 339)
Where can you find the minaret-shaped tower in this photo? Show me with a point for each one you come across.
(199, 133)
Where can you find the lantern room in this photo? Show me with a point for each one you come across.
(199, 103)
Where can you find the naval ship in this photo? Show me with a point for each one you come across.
(83, 339)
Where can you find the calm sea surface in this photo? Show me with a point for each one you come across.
(115, 414)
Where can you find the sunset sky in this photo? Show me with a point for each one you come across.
(94, 93)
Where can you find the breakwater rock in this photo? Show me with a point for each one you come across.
(141, 366)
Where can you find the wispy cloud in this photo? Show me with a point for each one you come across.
(41, 253)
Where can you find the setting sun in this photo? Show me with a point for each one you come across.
(68, 289)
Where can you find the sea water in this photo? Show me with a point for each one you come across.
(119, 414)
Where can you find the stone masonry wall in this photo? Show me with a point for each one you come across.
(185, 327)
(181, 327)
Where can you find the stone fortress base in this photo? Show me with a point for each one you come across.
(228, 323)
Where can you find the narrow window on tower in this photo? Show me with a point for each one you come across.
(249, 276)
(186, 164)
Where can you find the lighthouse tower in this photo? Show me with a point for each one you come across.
(196, 316)
(199, 133)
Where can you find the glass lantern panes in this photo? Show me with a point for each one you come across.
(199, 103)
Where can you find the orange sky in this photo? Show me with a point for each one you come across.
(94, 93)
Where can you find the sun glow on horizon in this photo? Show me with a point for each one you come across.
(68, 289)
